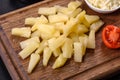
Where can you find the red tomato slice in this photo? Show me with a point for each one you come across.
(111, 36)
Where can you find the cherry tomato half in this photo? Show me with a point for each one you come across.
(111, 36)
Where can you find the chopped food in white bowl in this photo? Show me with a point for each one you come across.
(103, 6)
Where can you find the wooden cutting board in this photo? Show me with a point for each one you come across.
(97, 63)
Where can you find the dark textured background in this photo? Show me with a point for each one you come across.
(10, 5)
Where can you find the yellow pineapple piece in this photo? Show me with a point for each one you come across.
(64, 10)
(84, 40)
(67, 48)
(41, 47)
(74, 4)
(59, 26)
(91, 40)
(86, 23)
(55, 43)
(96, 25)
(22, 32)
(46, 36)
(70, 26)
(31, 20)
(80, 16)
(25, 43)
(34, 60)
(42, 19)
(28, 50)
(91, 18)
(46, 55)
(74, 37)
(80, 28)
(50, 43)
(75, 12)
(59, 62)
(44, 28)
(36, 33)
(78, 51)
(35, 27)
(47, 10)
(58, 18)
(46, 31)
(56, 34)
(57, 52)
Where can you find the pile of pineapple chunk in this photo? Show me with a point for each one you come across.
(59, 31)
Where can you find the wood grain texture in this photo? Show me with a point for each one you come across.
(12, 54)
(97, 63)
(7, 61)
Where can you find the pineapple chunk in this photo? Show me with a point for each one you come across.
(34, 60)
(50, 43)
(74, 37)
(28, 50)
(63, 10)
(59, 26)
(25, 43)
(47, 11)
(91, 40)
(74, 4)
(86, 23)
(67, 48)
(39, 20)
(57, 52)
(70, 26)
(57, 18)
(96, 25)
(22, 32)
(55, 43)
(80, 16)
(75, 12)
(46, 55)
(36, 34)
(59, 62)
(46, 30)
(41, 47)
(84, 40)
(91, 18)
(56, 34)
(35, 27)
(80, 28)
(47, 36)
(42, 19)
(31, 20)
(78, 51)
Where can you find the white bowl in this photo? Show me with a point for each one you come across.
(100, 10)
